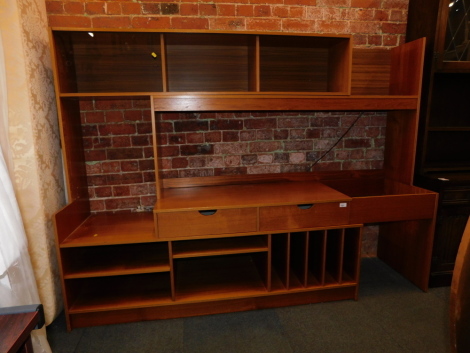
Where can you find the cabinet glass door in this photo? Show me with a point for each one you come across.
(456, 42)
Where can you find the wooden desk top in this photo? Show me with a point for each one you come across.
(15, 330)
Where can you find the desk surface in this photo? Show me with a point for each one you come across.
(15, 330)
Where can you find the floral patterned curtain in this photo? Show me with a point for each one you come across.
(30, 138)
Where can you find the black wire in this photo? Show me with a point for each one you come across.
(339, 140)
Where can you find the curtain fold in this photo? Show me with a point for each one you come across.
(17, 281)
(29, 138)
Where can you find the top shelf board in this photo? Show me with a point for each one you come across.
(249, 195)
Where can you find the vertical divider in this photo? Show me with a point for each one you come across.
(156, 160)
(323, 258)
(172, 271)
(288, 261)
(164, 64)
(257, 65)
(269, 264)
(306, 258)
(341, 257)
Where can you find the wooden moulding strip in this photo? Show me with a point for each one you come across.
(274, 102)
(211, 307)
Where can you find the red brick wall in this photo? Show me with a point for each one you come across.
(372, 22)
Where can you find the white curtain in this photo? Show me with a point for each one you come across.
(17, 281)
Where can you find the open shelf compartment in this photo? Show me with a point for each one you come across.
(99, 62)
(209, 62)
(305, 64)
(114, 260)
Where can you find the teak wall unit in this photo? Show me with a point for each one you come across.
(222, 244)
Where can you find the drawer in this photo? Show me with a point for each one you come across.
(303, 216)
(207, 222)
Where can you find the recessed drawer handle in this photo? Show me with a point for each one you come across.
(305, 206)
(208, 212)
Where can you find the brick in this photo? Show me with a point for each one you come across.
(232, 161)
(301, 2)
(395, 4)
(280, 11)
(332, 3)
(215, 162)
(140, 140)
(226, 10)
(74, 8)
(375, 40)
(95, 8)
(225, 124)
(125, 153)
(355, 143)
(130, 166)
(293, 122)
(193, 173)
(265, 146)
(230, 171)
(398, 15)
(148, 164)
(169, 9)
(69, 21)
(114, 116)
(121, 141)
(131, 8)
(295, 168)
(176, 139)
(178, 163)
(90, 130)
(102, 142)
(111, 22)
(117, 129)
(297, 134)
(95, 155)
(192, 125)
(264, 169)
(259, 24)
(189, 10)
(133, 115)
(103, 191)
(139, 189)
(368, 27)
(297, 12)
(191, 150)
(213, 136)
(151, 22)
(394, 28)
(121, 190)
(230, 23)
(189, 23)
(249, 159)
(94, 117)
(113, 104)
(281, 134)
(293, 25)
(245, 10)
(93, 168)
(266, 123)
(230, 136)
(262, 11)
(197, 162)
(97, 205)
(231, 148)
(265, 158)
(113, 8)
(207, 9)
(298, 145)
(381, 15)
(122, 203)
(55, 7)
(367, 4)
(144, 128)
(264, 134)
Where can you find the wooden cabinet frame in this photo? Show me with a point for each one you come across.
(300, 258)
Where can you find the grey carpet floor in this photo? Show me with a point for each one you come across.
(391, 316)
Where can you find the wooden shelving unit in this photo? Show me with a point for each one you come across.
(222, 244)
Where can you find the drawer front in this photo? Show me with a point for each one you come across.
(303, 216)
(198, 223)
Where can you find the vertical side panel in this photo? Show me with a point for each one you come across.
(172, 271)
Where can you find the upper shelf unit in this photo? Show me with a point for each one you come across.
(124, 62)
